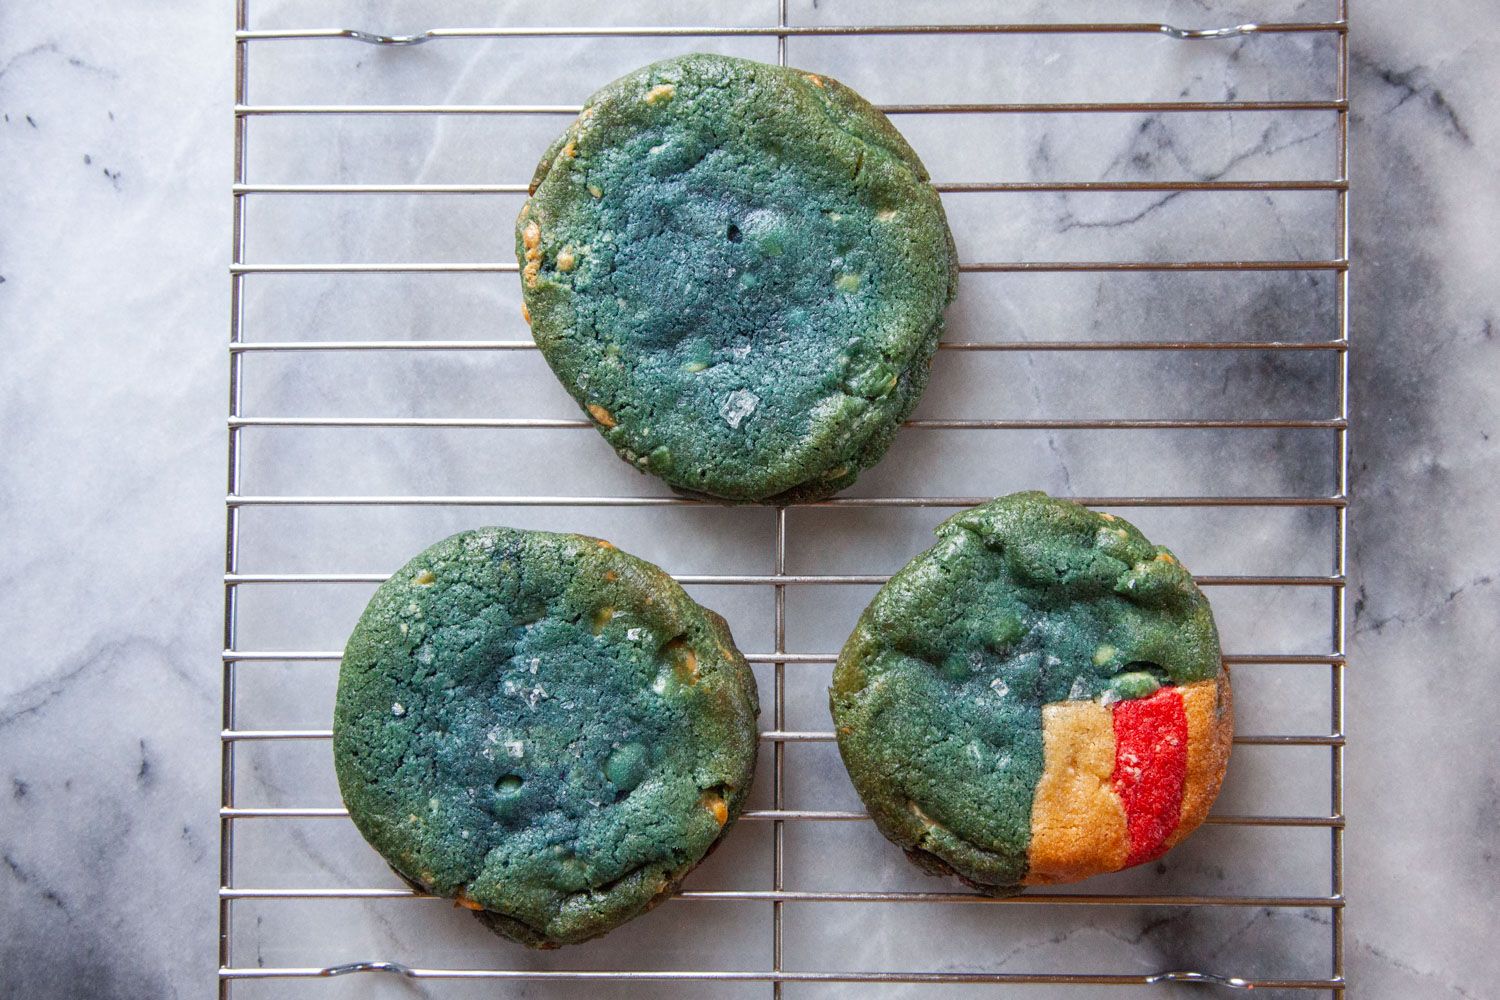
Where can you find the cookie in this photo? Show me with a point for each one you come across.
(739, 272)
(1037, 698)
(543, 728)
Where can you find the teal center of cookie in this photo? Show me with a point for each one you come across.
(733, 293)
(545, 727)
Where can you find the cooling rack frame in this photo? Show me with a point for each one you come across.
(778, 896)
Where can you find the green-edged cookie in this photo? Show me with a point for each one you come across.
(739, 272)
(543, 728)
(1037, 698)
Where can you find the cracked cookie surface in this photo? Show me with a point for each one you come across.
(1037, 698)
(739, 272)
(543, 728)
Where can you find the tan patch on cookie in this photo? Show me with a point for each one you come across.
(1209, 707)
(813, 79)
(926, 820)
(1077, 821)
(602, 415)
(684, 661)
(531, 239)
(459, 899)
(566, 259)
(714, 803)
(661, 92)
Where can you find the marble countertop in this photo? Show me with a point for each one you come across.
(116, 156)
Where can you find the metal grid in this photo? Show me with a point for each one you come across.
(238, 501)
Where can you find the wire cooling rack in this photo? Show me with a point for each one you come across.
(1204, 916)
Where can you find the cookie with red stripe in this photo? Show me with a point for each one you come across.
(1038, 698)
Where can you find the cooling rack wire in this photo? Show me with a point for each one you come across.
(233, 970)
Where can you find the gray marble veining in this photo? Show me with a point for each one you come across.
(116, 156)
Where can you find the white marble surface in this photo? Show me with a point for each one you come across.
(115, 161)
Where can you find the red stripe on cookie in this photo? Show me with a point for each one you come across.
(1151, 737)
